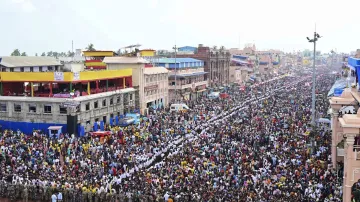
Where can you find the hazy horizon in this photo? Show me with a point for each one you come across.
(36, 26)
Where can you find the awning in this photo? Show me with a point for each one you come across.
(351, 67)
(239, 61)
(55, 128)
(339, 84)
(199, 91)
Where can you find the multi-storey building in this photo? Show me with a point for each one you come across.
(216, 63)
(345, 145)
(94, 59)
(187, 78)
(43, 95)
(156, 87)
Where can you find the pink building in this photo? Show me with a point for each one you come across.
(346, 129)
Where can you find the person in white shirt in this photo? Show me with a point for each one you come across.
(53, 198)
(59, 197)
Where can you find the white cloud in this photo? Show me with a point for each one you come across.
(25, 5)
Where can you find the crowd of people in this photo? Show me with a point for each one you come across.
(253, 146)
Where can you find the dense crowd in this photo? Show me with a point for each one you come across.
(250, 147)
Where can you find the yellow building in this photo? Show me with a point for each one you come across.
(147, 53)
(94, 59)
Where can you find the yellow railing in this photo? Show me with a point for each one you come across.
(63, 76)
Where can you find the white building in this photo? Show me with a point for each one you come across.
(156, 87)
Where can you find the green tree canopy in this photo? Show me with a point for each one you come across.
(23, 54)
(43, 54)
(90, 47)
(16, 52)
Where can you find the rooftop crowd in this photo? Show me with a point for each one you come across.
(250, 147)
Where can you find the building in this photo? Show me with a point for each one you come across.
(345, 146)
(156, 87)
(216, 64)
(137, 66)
(94, 59)
(147, 53)
(187, 50)
(187, 78)
(74, 100)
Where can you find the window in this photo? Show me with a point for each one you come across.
(111, 101)
(63, 110)
(131, 96)
(11, 69)
(40, 69)
(147, 79)
(2, 107)
(104, 103)
(96, 104)
(118, 99)
(32, 108)
(31, 69)
(87, 106)
(56, 68)
(50, 68)
(17, 108)
(21, 69)
(47, 109)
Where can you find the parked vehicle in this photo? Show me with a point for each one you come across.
(179, 107)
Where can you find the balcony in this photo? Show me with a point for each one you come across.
(184, 86)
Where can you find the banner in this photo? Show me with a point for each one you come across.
(58, 76)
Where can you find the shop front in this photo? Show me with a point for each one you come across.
(201, 91)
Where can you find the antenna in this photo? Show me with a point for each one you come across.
(72, 49)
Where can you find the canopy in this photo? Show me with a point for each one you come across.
(323, 120)
(239, 61)
(339, 84)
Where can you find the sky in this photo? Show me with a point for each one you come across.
(36, 26)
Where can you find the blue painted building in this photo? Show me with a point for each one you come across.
(354, 65)
(180, 63)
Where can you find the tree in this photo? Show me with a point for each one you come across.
(23, 54)
(49, 54)
(222, 48)
(36, 54)
(215, 48)
(43, 54)
(90, 47)
(16, 52)
(70, 54)
(55, 54)
(118, 52)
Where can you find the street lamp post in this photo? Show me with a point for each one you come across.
(316, 37)
(175, 48)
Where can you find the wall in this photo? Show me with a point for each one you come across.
(147, 53)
